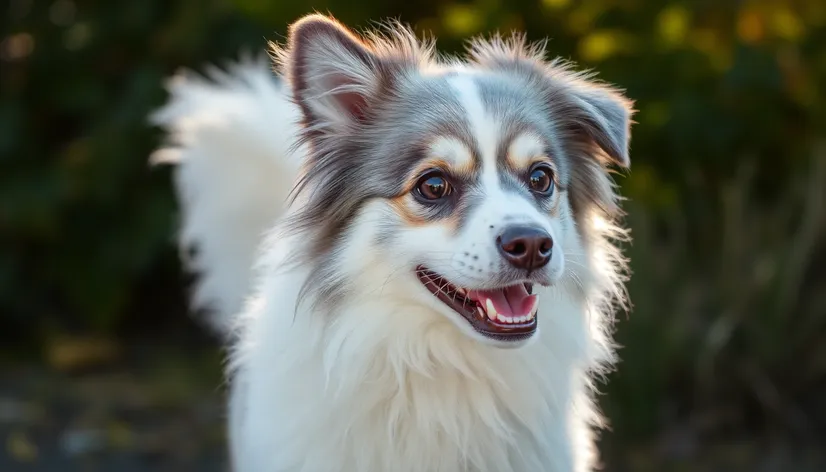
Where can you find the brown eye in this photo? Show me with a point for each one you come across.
(433, 186)
(541, 180)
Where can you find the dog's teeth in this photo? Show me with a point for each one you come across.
(491, 309)
(522, 319)
(461, 291)
(481, 312)
(504, 319)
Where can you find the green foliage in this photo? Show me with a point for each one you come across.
(726, 194)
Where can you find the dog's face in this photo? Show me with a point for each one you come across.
(467, 183)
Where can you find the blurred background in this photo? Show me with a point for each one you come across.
(724, 353)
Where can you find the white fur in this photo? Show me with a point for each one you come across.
(477, 241)
(231, 140)
(388, 383)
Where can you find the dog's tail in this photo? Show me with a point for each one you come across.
(230, 136)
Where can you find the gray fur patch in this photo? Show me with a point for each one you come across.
(371, 105)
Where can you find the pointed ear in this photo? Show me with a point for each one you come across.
(590, 108)
(333, 73)
(604, 115)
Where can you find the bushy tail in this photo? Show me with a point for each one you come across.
(230, 136)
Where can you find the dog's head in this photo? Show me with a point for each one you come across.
(466, 185)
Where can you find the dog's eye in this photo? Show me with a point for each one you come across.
(541, 180)
(433, 186)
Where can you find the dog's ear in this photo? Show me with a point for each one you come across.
(591, 109)
(604, 115)
(333, 73)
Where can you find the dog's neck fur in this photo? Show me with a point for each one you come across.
(375, 366)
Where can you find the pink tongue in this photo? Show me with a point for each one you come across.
(511, 301)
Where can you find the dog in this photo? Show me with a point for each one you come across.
(413, 258)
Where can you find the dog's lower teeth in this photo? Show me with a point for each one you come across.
(491, 309)
(477, 308)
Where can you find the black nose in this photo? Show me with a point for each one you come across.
(525, 247)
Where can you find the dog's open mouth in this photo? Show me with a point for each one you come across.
(505, 314)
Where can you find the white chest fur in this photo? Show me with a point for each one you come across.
(379, 386)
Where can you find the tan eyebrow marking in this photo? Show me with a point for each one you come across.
(454, 153)
(524, 150)
(447, 154)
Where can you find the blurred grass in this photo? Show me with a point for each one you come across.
(746, 323)
(727, 338)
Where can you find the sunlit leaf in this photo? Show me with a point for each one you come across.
(786, 24)
(582, 18)
(69, 353)
(21, 448)
(17, 47)
(673, 24)
(78, 36)
(462, 20)
(556, 4)
(709, 42)
(750, 27)
(602, 44)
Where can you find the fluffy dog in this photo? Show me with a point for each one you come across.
(412, 257)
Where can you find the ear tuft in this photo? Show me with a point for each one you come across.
(333, 73)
